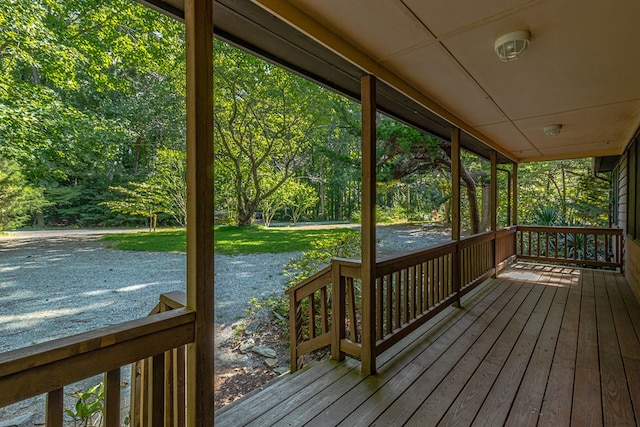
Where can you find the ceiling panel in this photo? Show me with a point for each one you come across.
(366, 25)
(609, 124)
(444, 16)
(507, 131)
(586, 150)
(431, 70)
(576, 60)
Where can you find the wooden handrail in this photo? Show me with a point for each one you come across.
(586, 246)
(49, 366)
(320, 276)
(562, 229)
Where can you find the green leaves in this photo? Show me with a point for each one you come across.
(17, 199)
(89, 404)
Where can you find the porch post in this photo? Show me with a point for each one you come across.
(494, 206)
(368, 272)
(455, 210)
(199, 103)
(514, 203)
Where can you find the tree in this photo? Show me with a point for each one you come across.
(300, 198)
(404, 151)
(89, 91)
(164, 191)
(265, 121)
(17, 199)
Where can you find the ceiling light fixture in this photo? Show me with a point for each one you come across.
(512, 45)
(552, 130)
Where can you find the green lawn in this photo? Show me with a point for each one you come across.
(228, 240)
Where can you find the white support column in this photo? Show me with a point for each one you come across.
(199, 53)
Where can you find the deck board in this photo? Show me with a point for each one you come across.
(539, 345)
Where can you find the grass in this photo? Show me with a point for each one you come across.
(228, 240)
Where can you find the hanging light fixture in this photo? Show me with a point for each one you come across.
(512, 45)
(552, 130)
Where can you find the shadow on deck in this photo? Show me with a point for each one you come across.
(539, 345)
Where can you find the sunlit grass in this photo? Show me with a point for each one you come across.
(228, 240)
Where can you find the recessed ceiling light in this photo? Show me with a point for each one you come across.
(512, 45)
(552, 130)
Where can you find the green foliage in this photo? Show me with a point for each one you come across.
(17, 199)
(300, 198)
(89, 406)
(229, 240)
(568, 187)
(345, 245)
(164, 191)
(546, 215)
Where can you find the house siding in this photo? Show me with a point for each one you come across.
(626, 209)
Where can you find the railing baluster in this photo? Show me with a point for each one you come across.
(179, 394)
(295, 331)
(379, 308)
(546, 253)
(157, 390)
(112, 398)
(389, 288)
(585, 237)
(324, 314)
(404, 283)
(55, 407)
(312, 316)
(352, 309)
(396, 305)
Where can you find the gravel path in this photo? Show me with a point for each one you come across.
(58, 284)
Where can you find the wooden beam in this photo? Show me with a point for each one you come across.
(368, 273)
(200, 287)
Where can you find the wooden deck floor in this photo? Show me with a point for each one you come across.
(539, 345)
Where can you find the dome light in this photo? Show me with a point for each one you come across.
(512, 45)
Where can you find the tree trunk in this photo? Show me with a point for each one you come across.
(470, 184)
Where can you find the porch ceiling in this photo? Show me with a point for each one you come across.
(438, 66)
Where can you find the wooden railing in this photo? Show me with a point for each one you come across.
(147, 381)
(49, 367)
(592, 247)
(409, 290)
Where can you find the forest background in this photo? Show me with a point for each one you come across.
(92, 134)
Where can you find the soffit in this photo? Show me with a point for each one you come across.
(581, 69)
(436, 64)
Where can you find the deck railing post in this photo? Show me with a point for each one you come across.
(368, 272)
(338, 311)
(494, 207)
(295, 331)
(455, 212)
(198, 16)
